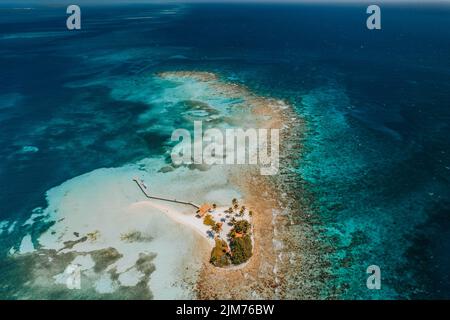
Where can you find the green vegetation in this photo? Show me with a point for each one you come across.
(219, 254)
(241, 249)
(209, 221)
(241, 242)
(242, 226)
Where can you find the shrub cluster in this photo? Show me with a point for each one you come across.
(219, 256)
(209, 221)
(241, 249)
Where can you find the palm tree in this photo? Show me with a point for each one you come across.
(217, 227)
(214, 206)
(234, 201)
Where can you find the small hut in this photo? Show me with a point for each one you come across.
(204, 209)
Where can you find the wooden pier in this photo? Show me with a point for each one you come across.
(144, 189)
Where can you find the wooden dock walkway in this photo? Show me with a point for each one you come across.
(144, 189)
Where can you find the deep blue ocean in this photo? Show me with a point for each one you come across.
(376, 104)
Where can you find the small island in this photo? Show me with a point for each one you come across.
(228, 229)
(231, 229)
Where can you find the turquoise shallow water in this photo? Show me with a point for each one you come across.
(376, 154)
